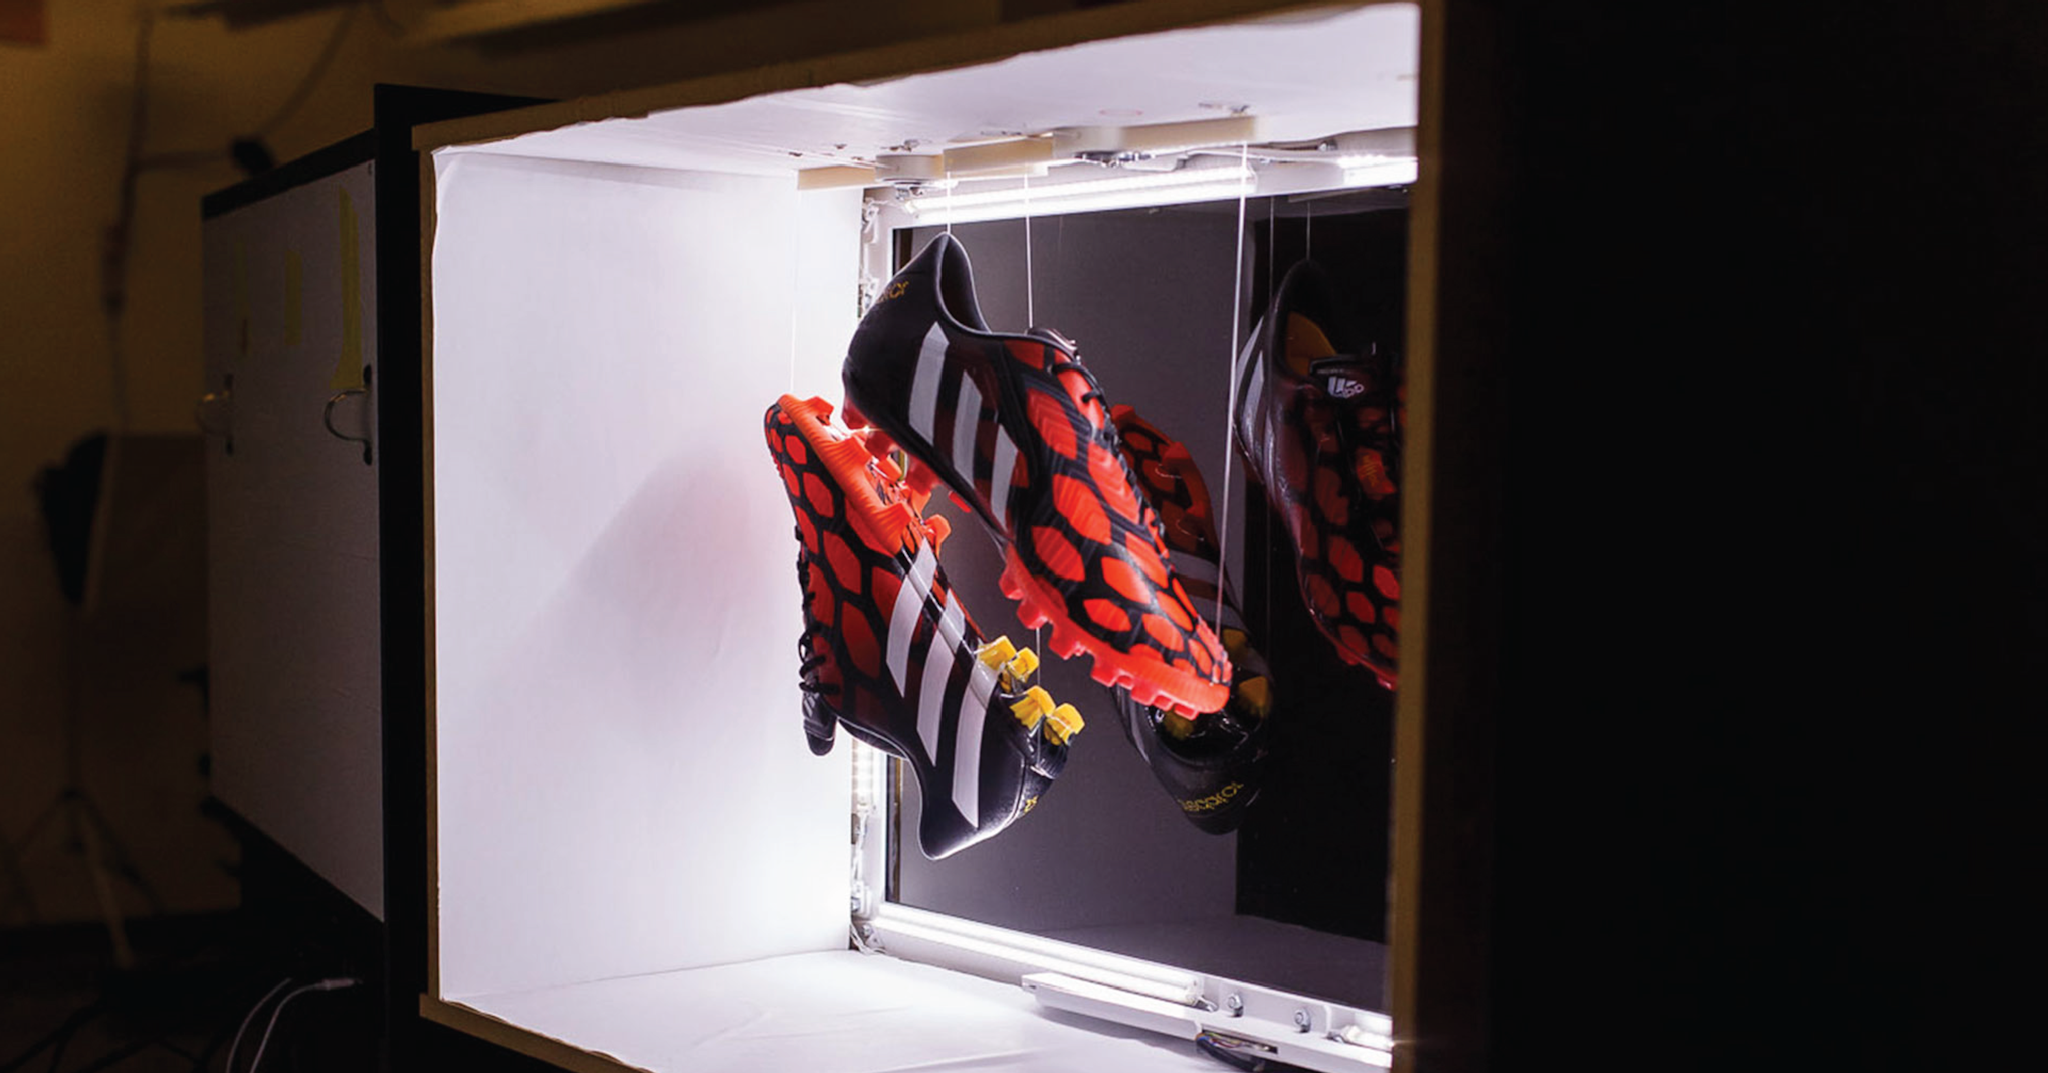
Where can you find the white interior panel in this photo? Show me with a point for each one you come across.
(1302, 76)
(622, 786)
(296, 722)
(840, 1011)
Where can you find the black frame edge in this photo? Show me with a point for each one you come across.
(401, 492)
(316, 165)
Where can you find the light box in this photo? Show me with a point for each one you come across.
(634, 860)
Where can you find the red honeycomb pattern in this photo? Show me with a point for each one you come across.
(849, 575)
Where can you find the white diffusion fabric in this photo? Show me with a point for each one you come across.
(622, 781)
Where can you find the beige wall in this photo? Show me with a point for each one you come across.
(64, 110)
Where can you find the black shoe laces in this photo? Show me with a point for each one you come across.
(809, 660)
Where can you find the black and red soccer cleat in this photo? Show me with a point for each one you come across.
(1015, 426)
(887, 650)
(1319, 421)
(1212, 764)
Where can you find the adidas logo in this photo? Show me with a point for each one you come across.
(1344, 387)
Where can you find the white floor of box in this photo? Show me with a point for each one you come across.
(830, 1012)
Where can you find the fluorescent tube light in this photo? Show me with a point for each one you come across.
(1374, 170)
(1281, 1040)
(1018, 953)
(870, 776)
(1089, 195)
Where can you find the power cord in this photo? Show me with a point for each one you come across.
(236, 1046)
(315, 71)
(333, 983)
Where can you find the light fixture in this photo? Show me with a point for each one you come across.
(991, 951)
(1374, 170)
(1302, 1031)
(1350, 1049)
(1088, 195)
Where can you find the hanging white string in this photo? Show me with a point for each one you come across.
(1308, 230)
(1030, 299)
(1030, 321)
(1244, 150)
(796, 267)
(1272, 285)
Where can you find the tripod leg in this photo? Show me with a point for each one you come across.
(50, 812)
(116, 854)
(95, 860)
(18, 889)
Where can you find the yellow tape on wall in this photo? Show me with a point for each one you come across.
(348, 370)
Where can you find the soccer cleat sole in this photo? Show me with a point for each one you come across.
(857, 504)
(1038, 604)
(889, 526)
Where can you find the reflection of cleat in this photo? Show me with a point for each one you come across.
(1212, 764)
(1015, 427)
(1319, 421)
(887, 650)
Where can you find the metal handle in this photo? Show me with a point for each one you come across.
(327, 417)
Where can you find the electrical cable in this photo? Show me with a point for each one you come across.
(236, 1046)
(392, 26)
(314, 72)
(118, 239)
(72, 1022)
(335, 983)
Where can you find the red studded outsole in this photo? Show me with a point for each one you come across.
(1149, 681)
(886, 526)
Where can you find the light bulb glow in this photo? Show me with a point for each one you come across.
(1177, 986)
(1122, 191)
(1384, 171)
